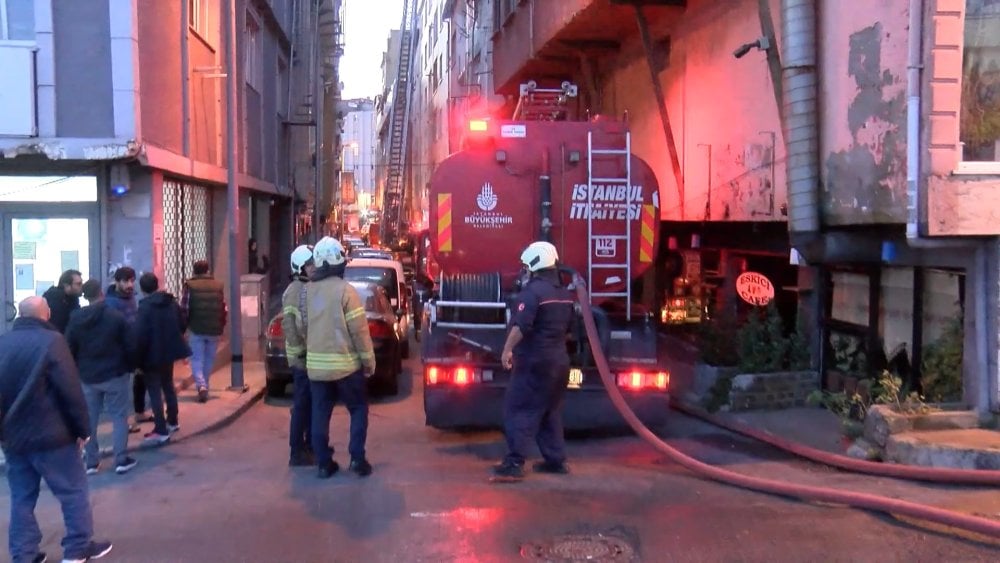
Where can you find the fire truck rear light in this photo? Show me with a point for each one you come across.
(662, 380)
(478, 125)
(638, 381)
(433, 375)
(635, 380)
(462, 376)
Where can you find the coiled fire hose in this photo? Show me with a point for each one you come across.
(987, 527)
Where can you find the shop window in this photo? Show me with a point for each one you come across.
(896, 313)
(850, 298)
(980, 117)
(48, 188)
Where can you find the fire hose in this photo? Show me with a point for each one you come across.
(985, 526)
(989, 477)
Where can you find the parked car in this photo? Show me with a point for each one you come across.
(382, 326)
(389, 275)
(352, 240)
(368, 252)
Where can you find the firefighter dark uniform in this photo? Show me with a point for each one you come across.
(533, 402)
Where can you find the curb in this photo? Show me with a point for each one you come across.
(255, 397)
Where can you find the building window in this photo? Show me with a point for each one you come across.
(980, 121)
(281, 95)
(253, 62)
(17, 20)
(200, 20)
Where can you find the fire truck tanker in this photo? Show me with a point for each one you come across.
(575, 184)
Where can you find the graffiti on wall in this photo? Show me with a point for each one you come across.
(866, 182)
(747, 190)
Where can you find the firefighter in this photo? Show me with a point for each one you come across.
(339, 357)
(293, 323)
(536, 351)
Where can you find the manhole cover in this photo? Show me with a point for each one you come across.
(593, 548)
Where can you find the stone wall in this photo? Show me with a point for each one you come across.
(782, 390)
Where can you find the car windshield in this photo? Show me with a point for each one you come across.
(385, 277)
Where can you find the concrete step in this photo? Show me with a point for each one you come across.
(960, 449)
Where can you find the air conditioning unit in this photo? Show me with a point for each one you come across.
(17, 91)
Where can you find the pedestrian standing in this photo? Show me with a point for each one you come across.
(102, 344)
(64, 298)
(160, 343)
(204, 305)
(121, 297)
(44, 422)
(339, 357)
(294, 322)
(536, 351)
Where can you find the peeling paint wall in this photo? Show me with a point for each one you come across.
(863, 112)
(724, 117)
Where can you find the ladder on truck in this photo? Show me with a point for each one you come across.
(393, 200)
(614, 237)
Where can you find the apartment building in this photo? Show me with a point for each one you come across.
(113, 134)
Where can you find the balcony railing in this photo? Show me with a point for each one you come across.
(18, 116)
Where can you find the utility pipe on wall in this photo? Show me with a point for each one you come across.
(799, 79)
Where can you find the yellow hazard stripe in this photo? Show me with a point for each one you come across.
(647, 234)
(444, 222)
(359, 312)
(294, 351)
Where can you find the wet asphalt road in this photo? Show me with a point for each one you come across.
(229, 496)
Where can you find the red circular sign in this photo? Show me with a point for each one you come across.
(755, 288)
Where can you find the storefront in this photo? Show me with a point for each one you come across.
(49, 224)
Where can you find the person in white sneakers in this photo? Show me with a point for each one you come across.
(103, 347)
(159, 343)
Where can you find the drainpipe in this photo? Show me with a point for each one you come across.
(799, 79)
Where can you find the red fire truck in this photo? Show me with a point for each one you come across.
(573, 183)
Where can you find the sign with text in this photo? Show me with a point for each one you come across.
(755, 288)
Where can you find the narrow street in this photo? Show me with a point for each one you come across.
(229, 496)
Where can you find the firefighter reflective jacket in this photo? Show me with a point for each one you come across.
(337, 340)
(293, 322)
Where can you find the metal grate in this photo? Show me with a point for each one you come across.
(187, 214)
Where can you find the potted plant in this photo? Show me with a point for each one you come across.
(773, 368)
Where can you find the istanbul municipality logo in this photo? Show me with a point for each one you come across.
(486, 199)
(487, 218)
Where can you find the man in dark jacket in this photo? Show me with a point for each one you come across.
(160, 343)
(102, 345)
(44, 421)
(64, 298)
(121, 297)
(121, 294)
(204, 306)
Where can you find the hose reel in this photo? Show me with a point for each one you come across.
(477, 288)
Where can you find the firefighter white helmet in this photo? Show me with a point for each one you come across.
(539, 256)
(328, 252)
(301, 257)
